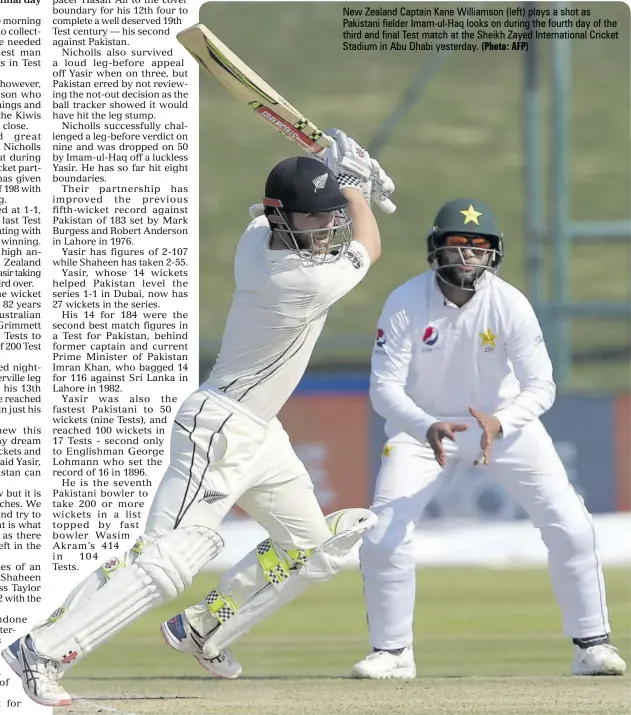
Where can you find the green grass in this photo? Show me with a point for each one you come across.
(487, 642)
(469, 622)
(463, 138)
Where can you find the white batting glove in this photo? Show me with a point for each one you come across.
(346, 156)
(354, 168)
(382, 185)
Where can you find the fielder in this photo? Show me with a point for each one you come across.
(461, 374)
(311, 241)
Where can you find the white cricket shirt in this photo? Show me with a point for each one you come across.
(278, 311)
(432, 360)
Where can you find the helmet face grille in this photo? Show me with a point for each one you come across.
(448, 261)
(314, 246)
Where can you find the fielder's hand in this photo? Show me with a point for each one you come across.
(491, 428)
(435, 435)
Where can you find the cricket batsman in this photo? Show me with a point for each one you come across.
(311, 241)
(461, 374)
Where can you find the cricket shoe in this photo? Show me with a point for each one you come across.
(383, 665)
(10, 654)
(180, 635)
(40, 676)
(602, 659)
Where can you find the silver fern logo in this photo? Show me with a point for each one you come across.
(211, 496)
(319, 182)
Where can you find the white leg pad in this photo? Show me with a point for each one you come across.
(347, 525)
(161, 572)
(85, 589)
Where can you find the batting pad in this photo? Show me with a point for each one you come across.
(161, 572)
(278, 580)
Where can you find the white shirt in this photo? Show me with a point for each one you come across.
(432, 360)
(278, 311)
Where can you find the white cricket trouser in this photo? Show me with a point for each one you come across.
(222, 455)
(528, 468)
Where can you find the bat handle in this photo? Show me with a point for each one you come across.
(385, 204)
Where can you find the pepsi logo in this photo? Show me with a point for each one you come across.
(430, 335)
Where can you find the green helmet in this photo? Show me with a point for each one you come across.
(473, 221)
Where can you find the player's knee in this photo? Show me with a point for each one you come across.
(173, 561)
(389, 543)
(379, 558)
(565, 541)
(570, 531)
(109, 567)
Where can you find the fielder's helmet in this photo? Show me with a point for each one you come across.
(470, 219)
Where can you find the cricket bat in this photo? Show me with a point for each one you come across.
(250, 89)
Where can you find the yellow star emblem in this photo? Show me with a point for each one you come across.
(488, 338)
(386, 451)
(471, 214)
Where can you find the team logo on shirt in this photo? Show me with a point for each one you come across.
(381, 338)
(488, 339)
(355, 259)
(430, 335)
(211, 496)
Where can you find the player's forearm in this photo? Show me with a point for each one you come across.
(365, 229)
(391, 402)
(534, 400)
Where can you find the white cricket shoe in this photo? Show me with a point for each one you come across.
(600, 659)
(40, 676)
(180, 635)
(381, 665)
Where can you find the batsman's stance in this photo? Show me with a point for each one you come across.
(313, 240)
(461, 374)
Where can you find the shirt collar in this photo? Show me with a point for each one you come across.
(438, 299)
